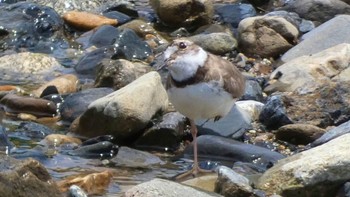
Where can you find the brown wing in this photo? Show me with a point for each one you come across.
(224, 71)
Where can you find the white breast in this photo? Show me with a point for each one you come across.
(201, 101)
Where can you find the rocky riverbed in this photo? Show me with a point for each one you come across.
(84, 112)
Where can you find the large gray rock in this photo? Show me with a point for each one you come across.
(183, 12)
(319, 171)
(25, 178)
(124, 113)
(165, 188)
(317, 10)
(266, 36)
(329, 34)
(311, 71)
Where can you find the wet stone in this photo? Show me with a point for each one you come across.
(121, 17)
(129, 157)
(224, 149)
(103, 36)
(25, 178)
(98, 139)
(87, 64)
(233, 13)
(86, 20)
(64, 84)
(16, 104)
(102, 150)
(31, 131)
(93, 183)
(29, 24)
(5, 143)
(164, 135)
(76, 191)
(127, 45)
(75, 104)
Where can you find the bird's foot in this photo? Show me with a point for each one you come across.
(196, 171)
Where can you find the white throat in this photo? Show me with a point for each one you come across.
(186, 66)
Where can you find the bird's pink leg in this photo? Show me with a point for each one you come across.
(194, 132)
(195, 169)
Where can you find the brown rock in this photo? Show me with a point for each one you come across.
(266, 36)
(15, 104)
(86, 20)
(299, 133)
(94, 183)
(64, 84)
(25, 178)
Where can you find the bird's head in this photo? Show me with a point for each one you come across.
(183, 58)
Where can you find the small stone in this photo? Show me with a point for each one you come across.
(64, 84)
(59, 139)
(232, 184)
(194, 13)
(274, 114)
(86, 20)
(234, 13)
(94, 183)
(217, 43)
(119, 73)
(299, 133)
(76, 191)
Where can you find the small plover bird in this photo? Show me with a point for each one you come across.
(200, 85)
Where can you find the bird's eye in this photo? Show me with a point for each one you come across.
(182, 45)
